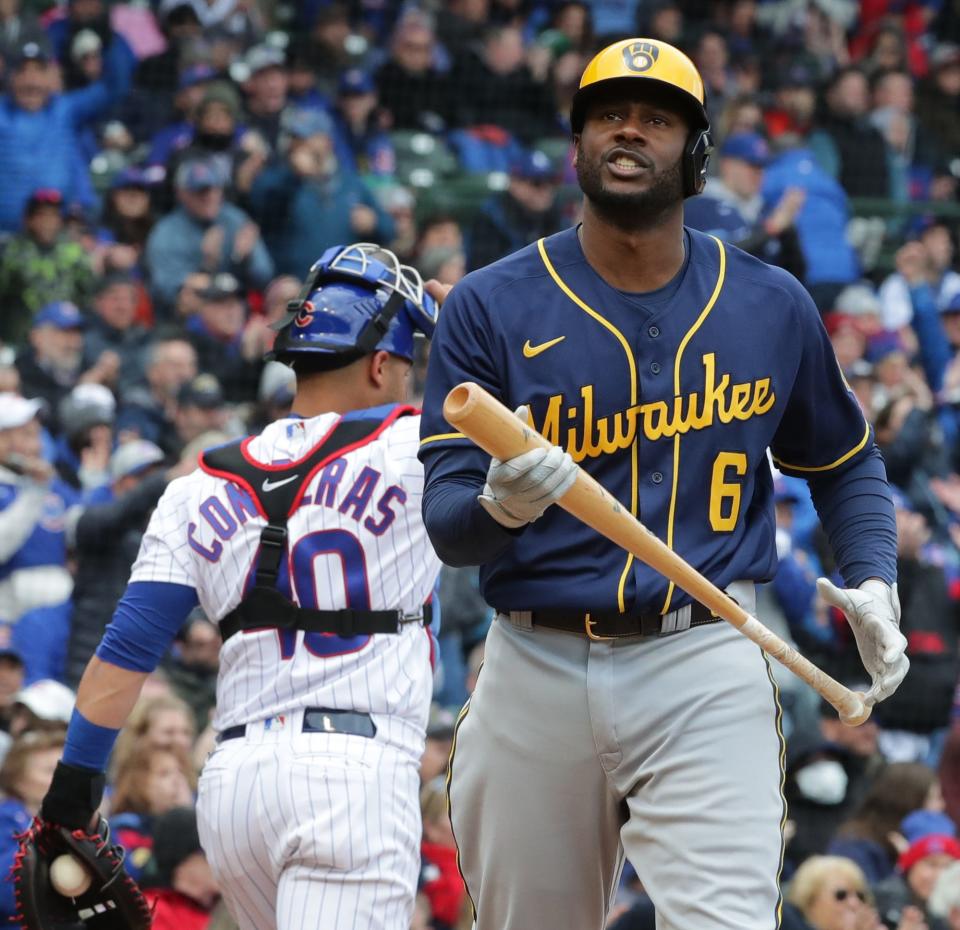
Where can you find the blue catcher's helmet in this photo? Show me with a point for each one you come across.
(356, 299)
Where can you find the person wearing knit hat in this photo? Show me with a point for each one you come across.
(178, 881)
(930, 845)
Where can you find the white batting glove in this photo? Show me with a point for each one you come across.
(873, 612)
(520, 489)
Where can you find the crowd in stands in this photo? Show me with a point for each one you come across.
(170, 169)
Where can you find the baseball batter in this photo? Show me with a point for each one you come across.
(307, 544)
(612, 715)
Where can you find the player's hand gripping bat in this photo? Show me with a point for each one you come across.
(496, 430)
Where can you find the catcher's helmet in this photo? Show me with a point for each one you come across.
(356, 299)
(666, 67)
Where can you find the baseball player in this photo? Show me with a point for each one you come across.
(306, 543)
(613, 716)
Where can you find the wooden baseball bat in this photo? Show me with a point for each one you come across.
(498, 431)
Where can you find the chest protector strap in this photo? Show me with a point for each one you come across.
(277, 491)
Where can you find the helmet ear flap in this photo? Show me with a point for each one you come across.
(696, 160)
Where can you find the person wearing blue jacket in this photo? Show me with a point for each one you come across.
(39, 129)
(821, 223)
(306, 203)
(24, 779)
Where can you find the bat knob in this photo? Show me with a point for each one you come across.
(855, 711)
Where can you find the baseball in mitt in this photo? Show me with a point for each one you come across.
(111, 899)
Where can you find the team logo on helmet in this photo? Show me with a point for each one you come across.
(640, 56)
(305, 317)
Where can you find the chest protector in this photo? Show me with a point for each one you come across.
(277, 491)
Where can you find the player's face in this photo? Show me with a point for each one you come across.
(629, 155)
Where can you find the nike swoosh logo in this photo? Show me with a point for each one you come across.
(530, 351)
(269, 485)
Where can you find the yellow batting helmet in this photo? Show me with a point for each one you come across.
(662, 66)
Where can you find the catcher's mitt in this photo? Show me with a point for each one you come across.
(112, 902)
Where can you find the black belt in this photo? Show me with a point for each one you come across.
(611, 625)
(320, 720)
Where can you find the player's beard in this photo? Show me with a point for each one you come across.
(630, 210)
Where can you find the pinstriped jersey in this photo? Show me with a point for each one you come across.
(670, 399)
(356, 540)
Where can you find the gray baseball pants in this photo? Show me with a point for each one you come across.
(572, 753)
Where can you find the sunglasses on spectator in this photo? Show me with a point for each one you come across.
(841, 894)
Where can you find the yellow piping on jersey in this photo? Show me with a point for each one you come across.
(453, 748)
(847, 455)
(721, 274)
(436, 437)
(781, 786)
(633, 398)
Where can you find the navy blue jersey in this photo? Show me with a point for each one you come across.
(670, 399)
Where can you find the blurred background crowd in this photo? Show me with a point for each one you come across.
(170, 169)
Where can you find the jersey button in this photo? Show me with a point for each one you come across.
(653, 332)
(657, 477)
(655, 367)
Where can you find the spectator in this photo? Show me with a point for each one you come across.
(11, 681)
(306, 203)
(278, 385)
(148, 410)
(821, 223)
(866, 838)
(830, 892)
(43, 705)
(439, 741)
(163, 721)
(460, 25)
(214, 134)
(496, 88)
(362, 143)
(441, 880)
(52, 363)
(192, 667)
(106, 538)
(930, 619)
(846, 145)
(179, 884)
(731, 206)
(303, 91)
(712, 57)
(151, 781)
(227, 345)
(25, 776)
(192, 86)
(925, 274)
(157, 77)
(938, 98)
(34, 118)
(932, 848)
(35, 586)
(524, 212)
(127, 220)
(40, 265)
(411, 87)
(203, 233)
(794, 103)
(266, 92)
(83, 448)
(113, 327)
(17, 27)
(201, 409)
